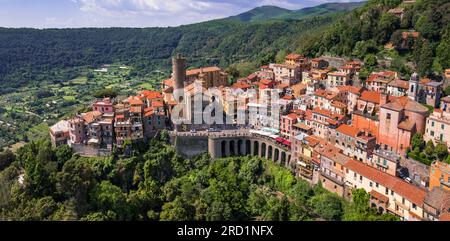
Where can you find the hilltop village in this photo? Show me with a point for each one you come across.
(332, 128)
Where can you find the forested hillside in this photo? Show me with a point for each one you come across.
(367, 32)
(272, 12)
(28, 55)
(157, 184)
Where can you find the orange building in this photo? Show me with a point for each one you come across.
(440, 175)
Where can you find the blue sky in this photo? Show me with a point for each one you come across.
(128, 13)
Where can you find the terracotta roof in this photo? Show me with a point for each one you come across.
(168, 82)
(288, 97)
(405, 35)
(409, 191)
(338, 104)
(157, 104)
(295, 57)
(404, 103)
(351, 89)
(135, 109)
(149, 94)
(204, 70)
(292, 116)
(135, 101)
(379, 196)
(282, 86)
(266, 81)
(348, 130)
(336, 73)
(241, 85)
(371, 96)
(399, 84)
(407, 125)
(302, 126)
(90, 117)
(445, 217)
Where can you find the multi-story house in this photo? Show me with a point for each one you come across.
(136, 107)
(366, 114)
(285, 73)
(397, 88)
(425, 91)
(400, 119)
(438, 127)
(287, 125)
(122, 127)
(387, 193)
(77, 130)
(59, 133)
(332, 172)
(354, 142)
(338, 78)
(436, 204)
(378, 81)
(319, 63)
(104, 106)
(440, 175)
(385, 161)
(322, 121)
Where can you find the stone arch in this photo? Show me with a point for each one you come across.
(277, 155)
(263, 150)
(248, 145)
(223, 148)
(256, 148)
(283, 158)
(232, 148)
(270, 153)
(240, 152)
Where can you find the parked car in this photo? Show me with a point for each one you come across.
(194, 131)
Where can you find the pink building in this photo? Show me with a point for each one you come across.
(399, 121)
(104, 106)
(77, 130)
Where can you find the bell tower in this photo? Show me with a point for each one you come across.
(179, 66)
(413, 86)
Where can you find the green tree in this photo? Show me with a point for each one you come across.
(6, 158)
(441, 151)
(425, 62)
(109, 198)
(327, 206)
(429, 150)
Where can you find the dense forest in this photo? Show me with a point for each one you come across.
(366, 31)
(154, 183)
(30, 55)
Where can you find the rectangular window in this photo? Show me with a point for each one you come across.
(388, 116)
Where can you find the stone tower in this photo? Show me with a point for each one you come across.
(179, 66)
(413, 86)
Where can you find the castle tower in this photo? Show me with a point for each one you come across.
(179, 66)
(413, 86)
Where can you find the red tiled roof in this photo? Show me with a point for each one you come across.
(348, 130)
(295, 57)
(157, 104)
(204, 70)
(379, 196)
(409, 191)
(240, 85)
(149, 94)
(266, 81)
(168, 82)
(371, 96)
(133, 100)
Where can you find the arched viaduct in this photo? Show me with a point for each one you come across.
(238, 143)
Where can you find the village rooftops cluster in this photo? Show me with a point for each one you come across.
(339, 131)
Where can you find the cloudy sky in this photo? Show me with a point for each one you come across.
(128, 13)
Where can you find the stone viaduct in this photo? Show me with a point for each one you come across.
(231, 143)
